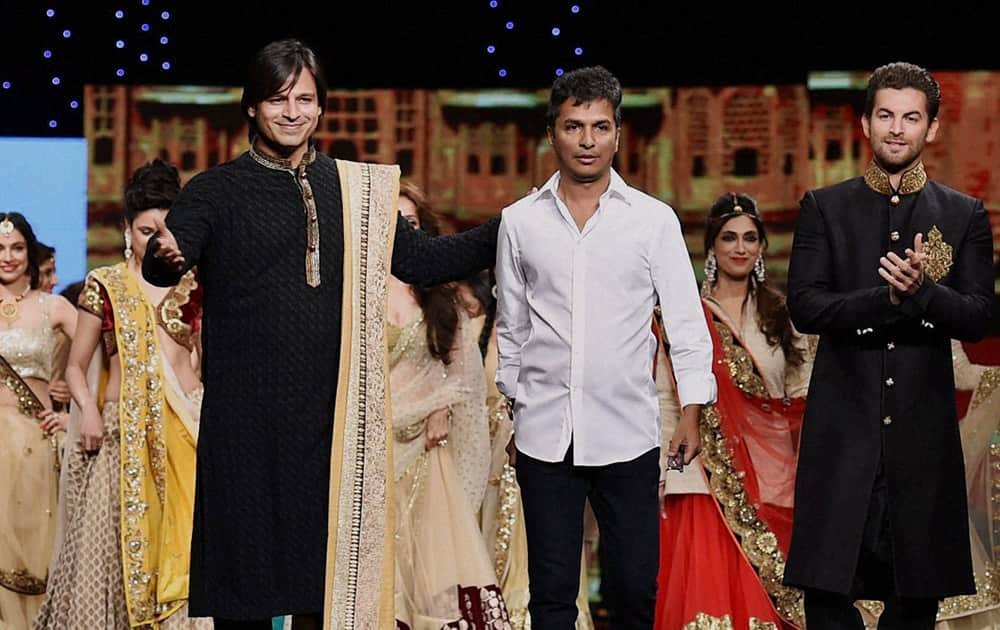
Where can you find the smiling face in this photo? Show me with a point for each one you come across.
(584, 137)
(286, 120)
(13, 257)
(736, 247)
(899, 127)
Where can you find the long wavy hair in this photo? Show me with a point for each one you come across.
(438, 304)
(772, 310)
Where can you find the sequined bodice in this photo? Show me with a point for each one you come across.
(30, 350)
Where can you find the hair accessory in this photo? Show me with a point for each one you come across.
(737, 208)
(6, 226)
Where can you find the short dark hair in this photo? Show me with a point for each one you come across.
(585, 85)
(155, 184)
(31, 241)
(45, 252)
(900, 75)
(272, 68)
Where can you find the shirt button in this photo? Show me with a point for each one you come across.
(894, 236)
(894, 200)
(889, 382)
(887, 420)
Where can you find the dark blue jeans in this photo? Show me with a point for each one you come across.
(624, 498)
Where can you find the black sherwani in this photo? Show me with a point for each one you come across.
(882, 394)
(271, 350)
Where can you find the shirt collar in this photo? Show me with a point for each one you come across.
(616, 186)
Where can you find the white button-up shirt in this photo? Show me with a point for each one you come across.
(574, 317)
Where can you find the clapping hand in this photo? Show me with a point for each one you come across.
(904, 276)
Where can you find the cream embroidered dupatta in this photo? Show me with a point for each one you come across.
(359, 569)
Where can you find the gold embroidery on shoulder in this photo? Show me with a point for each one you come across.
(90, 298)
(939, 255)
(171, 315)
(741, 366)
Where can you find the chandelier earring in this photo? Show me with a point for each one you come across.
(128, 244)
(711, 269)
(758, 269)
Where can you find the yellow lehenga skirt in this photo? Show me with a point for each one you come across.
(29, 479)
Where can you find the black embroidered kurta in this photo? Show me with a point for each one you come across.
(271, 350)
(882, 394)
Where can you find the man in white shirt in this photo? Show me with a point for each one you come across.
(581, 263)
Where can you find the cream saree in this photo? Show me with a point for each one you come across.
(29, 474)
(444, 574)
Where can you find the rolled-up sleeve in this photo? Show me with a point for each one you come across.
(683, 315)
(512, 312)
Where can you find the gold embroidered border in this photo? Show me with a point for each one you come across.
(171, 314)
(741, 365)
(143, 449)
(27, 403)
(758, 542)
(912, 181)
(20, 581)
(359, 569)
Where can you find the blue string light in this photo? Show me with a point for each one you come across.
(119, 14)
(165, 65)
(502, 72)
(74, 104)
(56, 81)
(67, 34)
(120, 44)
(164, 40)
(143, 57)
(145, 3)
(50, 12)
(556, 31)
(53, 124)
(491, 49)
(575, 8)
(165, 15)
(47, 54)
(493, 4)
(6, 85)
(145, 28)
(120, 72)
(510, 26)
(559, 72)
(578, 51)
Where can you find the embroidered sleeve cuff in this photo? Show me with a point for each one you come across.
(693, 390)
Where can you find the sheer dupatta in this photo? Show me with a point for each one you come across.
(750, 452)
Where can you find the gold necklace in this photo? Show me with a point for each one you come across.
(9, 309)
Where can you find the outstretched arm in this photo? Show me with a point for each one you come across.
(179, 242)
(424, 260)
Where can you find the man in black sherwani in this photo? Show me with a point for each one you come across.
(886, 268)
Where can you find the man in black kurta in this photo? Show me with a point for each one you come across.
(880, 498)
(268, 238)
